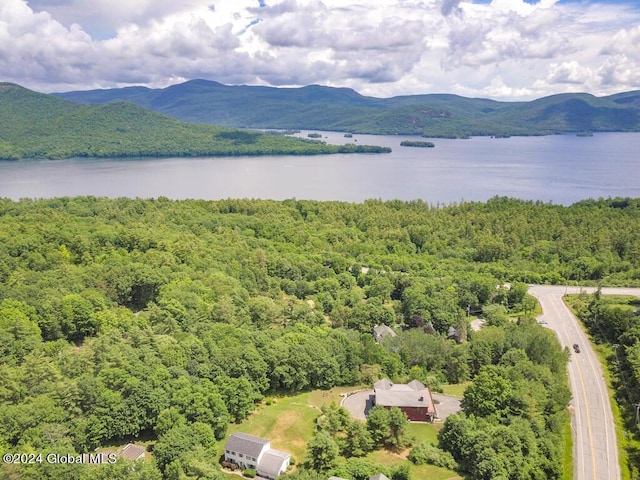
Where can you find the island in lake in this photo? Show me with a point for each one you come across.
(416, 143)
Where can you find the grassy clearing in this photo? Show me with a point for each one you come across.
(455, 390)
(385, 457)
(421, 432)
(424, 432)
(289, 421)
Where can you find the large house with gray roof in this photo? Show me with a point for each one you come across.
(248, 451)
(413, 398)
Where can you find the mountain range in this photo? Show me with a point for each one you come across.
(37, 125)
(327, 108)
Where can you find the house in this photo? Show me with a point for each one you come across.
(248, 451)
(379, 476)
(413, 398)
(131, 451)
(273, 463)
(382, 331)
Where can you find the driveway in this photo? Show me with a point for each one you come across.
(445, 405)
(359, 403)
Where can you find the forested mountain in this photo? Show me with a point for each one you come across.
(36, 125)
(168, 320)
(325, 108)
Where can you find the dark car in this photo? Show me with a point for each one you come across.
(576, 348)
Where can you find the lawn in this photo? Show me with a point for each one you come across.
(425, 432)
(385, 457)
(455, 390)
(289, 421)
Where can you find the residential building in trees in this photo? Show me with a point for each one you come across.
(413, 398)
(248, 451)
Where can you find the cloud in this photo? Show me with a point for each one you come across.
(624, 42)
(570, 73)
(502, 48)
(104, 17)
(502, 31)
(620, 70)
(449, 6)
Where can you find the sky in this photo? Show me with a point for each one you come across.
(501, 49)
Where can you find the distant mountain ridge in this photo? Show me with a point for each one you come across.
(36, 125)
(343, 109)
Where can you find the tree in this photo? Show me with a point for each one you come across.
(322, 452)
(333, 419)
(398, 424)
(517, 293)
(489, 394)
(495, 315)
(167, 419)
(358, 441)
(378, 425)
(18, 333)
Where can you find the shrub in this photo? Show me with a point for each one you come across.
(230, 465)
(425, 453)
(249, 473)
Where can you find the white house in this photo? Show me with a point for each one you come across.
(248, 451)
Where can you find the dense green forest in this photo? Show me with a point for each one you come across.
(35, 125)
(166, 321)
(315, 107)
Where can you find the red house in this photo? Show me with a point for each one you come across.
(413, 398)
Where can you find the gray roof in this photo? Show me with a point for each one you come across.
(381, 331)
(378, 476)
(272, 461)
(384, 384)
(245, 444)
(412, 394)
(336, 478)
(131, 451)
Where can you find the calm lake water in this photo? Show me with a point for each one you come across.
(562, 169)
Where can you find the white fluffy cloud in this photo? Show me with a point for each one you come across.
(508, 49)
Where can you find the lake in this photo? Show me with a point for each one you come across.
(562, 169)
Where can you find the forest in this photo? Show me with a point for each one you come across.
(168, 321)
(35, 125)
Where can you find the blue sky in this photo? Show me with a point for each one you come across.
(503, 49)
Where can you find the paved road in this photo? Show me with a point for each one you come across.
(595, 451)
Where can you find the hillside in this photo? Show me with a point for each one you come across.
(36, 125)
(326, 108)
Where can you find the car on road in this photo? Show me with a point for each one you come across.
(576, 348)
